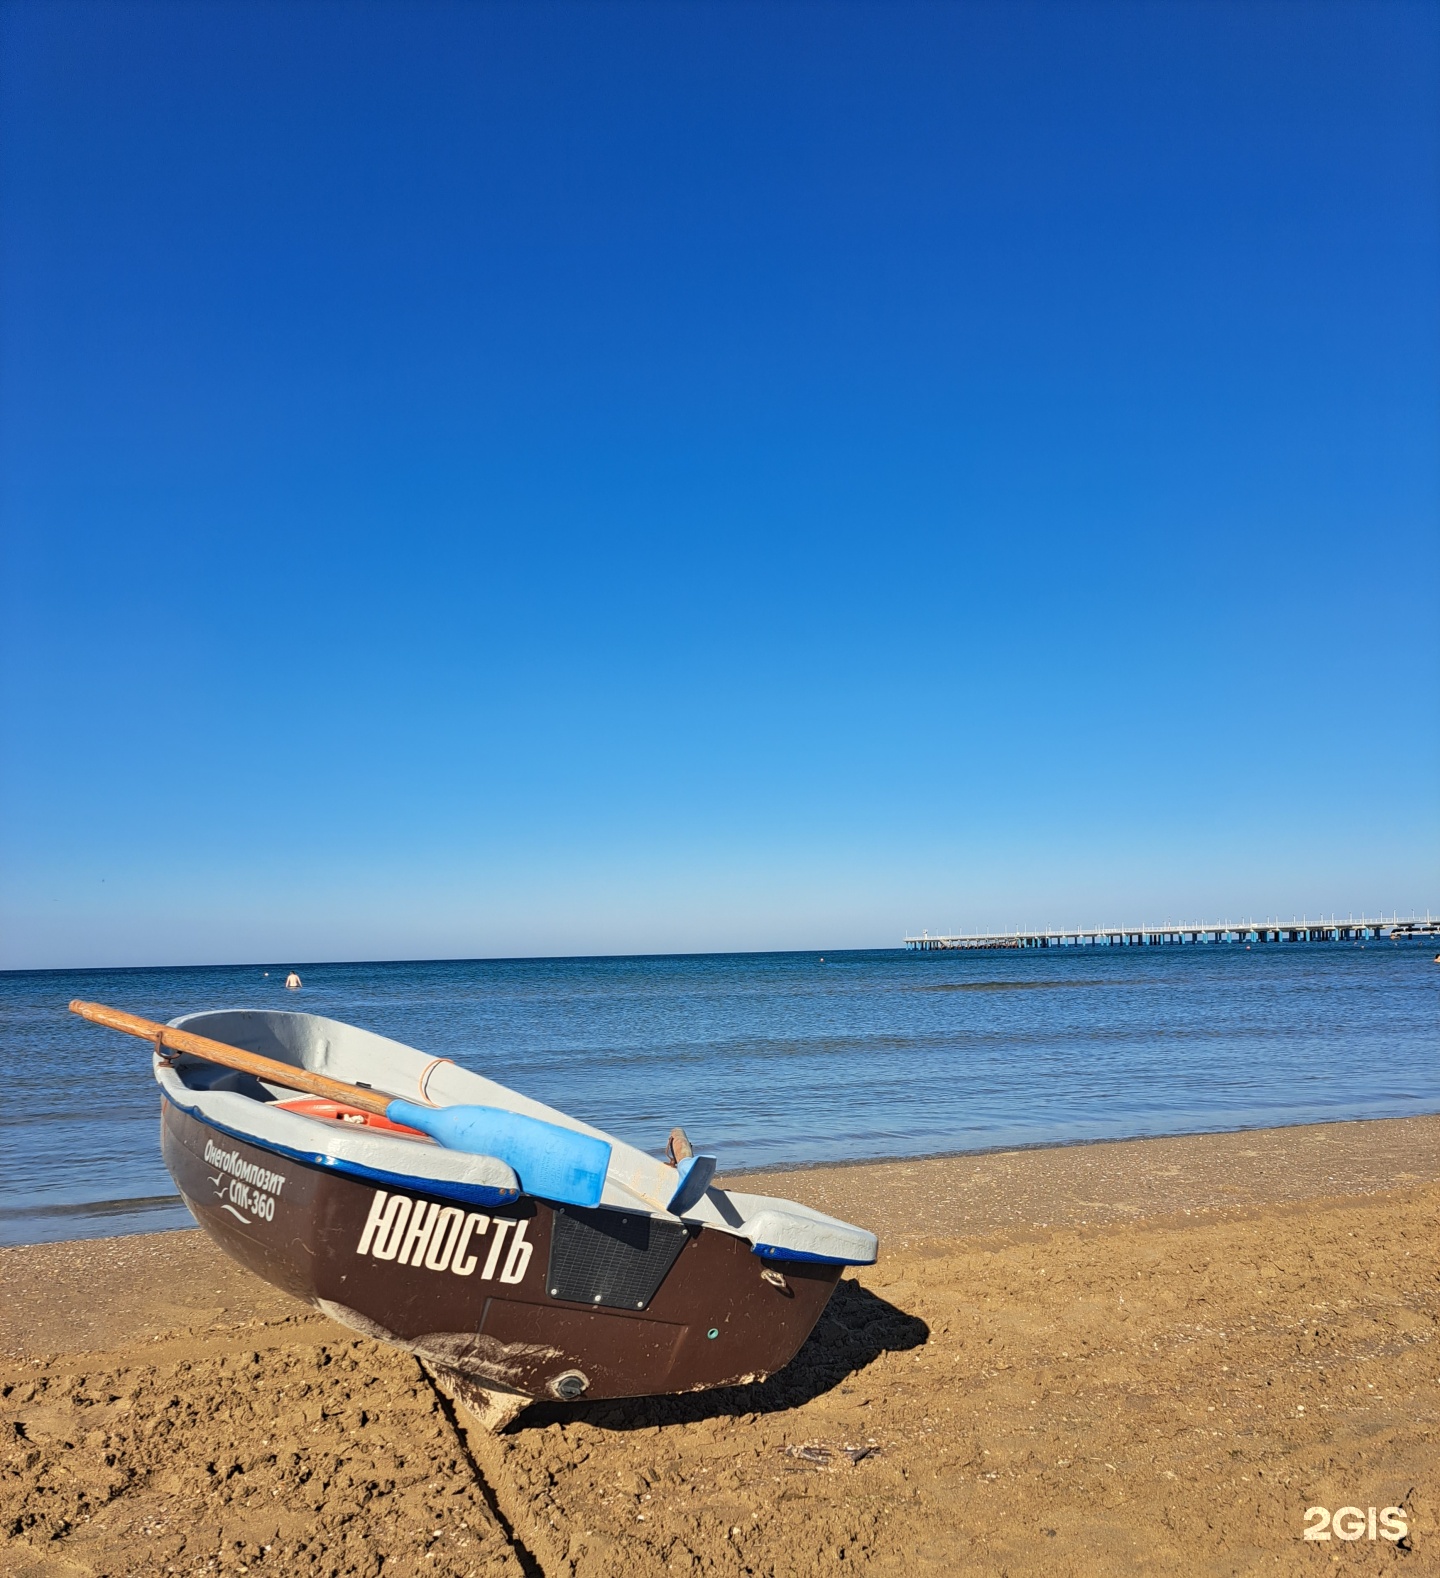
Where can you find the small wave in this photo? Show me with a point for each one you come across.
(35, 1213)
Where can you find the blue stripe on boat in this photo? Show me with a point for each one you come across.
(471, 1194)
(779, 1252)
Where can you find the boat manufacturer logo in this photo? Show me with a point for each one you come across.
(444, 1238)
(243, 1186)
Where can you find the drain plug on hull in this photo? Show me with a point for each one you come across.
(570, 1385)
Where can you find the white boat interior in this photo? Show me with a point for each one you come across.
(252, 1109)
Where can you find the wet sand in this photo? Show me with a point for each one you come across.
(1149, 1356)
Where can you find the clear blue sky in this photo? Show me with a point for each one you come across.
(504, 479)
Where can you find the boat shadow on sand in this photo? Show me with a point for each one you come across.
(856, 1328)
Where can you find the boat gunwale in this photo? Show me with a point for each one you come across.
(415, 1183)
(744, 1208)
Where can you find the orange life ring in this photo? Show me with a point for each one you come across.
(338, 1112)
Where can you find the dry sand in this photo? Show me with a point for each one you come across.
(1150, 1356)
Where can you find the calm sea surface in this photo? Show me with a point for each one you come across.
(767, 1059)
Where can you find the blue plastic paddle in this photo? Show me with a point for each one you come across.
(554, 1163)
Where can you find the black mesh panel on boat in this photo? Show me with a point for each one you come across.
(611, 1258)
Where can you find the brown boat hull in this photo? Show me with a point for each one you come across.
(469, 1287)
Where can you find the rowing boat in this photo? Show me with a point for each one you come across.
(556, 1262)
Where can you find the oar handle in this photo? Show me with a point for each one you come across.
(270, 1068)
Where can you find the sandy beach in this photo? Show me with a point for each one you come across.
(1146, 1356)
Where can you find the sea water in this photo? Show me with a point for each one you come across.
(765, 1059)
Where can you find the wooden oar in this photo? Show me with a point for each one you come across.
(553, 1162)
(168, 1038)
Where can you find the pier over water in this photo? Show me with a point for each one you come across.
(1396, 928)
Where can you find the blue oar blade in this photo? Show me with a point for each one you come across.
(552, 1162)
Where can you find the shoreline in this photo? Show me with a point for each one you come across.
(1083, 1359)
(1065, 1145)
(1091, 1182)
(742, 1176)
